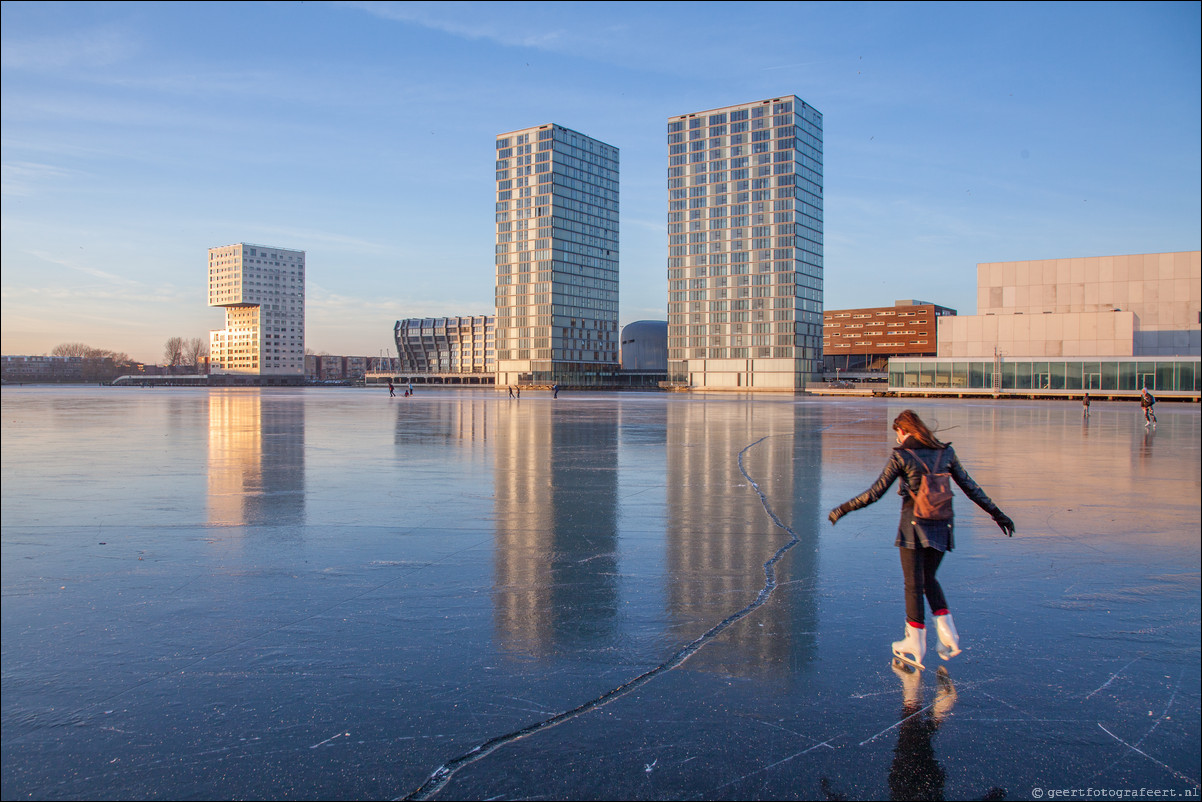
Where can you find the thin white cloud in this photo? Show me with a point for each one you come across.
(70, 51)
(657, 226)
(71, 264)
(629, 35)
(166, 294)
(467, 21)
(20, 178)
(336, 323)
(34, 320)
(309, 239)
(321, 302)
(791, 66)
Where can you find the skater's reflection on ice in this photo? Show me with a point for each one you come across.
(1145, 448)
(915, 774)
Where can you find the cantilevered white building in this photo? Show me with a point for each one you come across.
(556, 257)
(745, 246)
(262, 290)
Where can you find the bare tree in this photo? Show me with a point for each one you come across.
(71, 349)
(119, 364)
(195, 350)
(173, 351)
(99, 364)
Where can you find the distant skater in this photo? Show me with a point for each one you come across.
(391, 390)
(1085, 406)
(511, 391)
(555, 391)
(923, 539)
(1147, 401)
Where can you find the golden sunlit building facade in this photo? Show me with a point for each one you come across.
(262, 290)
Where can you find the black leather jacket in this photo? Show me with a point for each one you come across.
(913, 532)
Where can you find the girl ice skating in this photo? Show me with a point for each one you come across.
(923, 463)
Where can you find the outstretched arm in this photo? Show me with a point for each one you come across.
(979, 497)
(893, 469)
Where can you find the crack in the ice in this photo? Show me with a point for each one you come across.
(770, 766)
(1139, 751)
(1114, 676)
(899, 723)
(443, 774)
(1164, 714)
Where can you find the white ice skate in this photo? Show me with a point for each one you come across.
(913, 647)
(949, 640)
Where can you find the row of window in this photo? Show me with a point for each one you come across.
(881, 333)
(779, 352)
(1121, 376)
(875, 323)
(837, 315)
(875, 344)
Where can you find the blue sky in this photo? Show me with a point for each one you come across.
(137, 136)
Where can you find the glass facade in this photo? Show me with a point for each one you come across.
(745, 243)
(1180, 374)
(556, 256)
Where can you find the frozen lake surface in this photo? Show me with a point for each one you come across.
(330, 594)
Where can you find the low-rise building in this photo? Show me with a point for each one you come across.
(863, 340)
(1142, 305)
(30, 369)
(1105, 324)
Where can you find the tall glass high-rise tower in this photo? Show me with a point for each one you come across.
(557, 257)
(745, 246)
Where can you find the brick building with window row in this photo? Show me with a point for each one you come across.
(862, 340)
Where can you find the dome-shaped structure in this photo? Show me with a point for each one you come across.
(645, 345)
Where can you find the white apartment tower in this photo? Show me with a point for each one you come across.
(263, 292)
(745, 246)
(556, 257)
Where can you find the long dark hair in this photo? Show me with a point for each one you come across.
(909, 422)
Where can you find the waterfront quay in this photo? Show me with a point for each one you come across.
(327, 593)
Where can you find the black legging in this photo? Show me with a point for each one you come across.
(919, 567)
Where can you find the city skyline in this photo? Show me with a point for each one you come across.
(138, 136)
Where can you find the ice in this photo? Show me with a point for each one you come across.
(331, 594)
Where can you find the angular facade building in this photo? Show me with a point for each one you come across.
(262, 290)
(745, 246)
(446, 345)
(556, 257)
